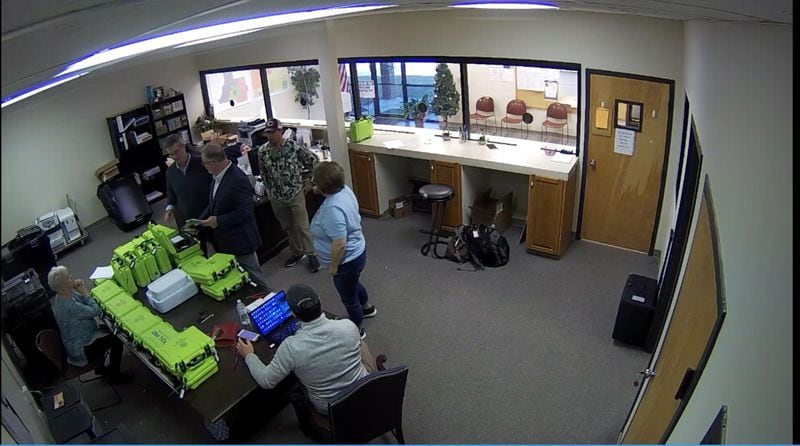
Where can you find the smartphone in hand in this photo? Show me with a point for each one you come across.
(248, 335)
(194, 222)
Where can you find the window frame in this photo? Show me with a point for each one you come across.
(264, 83)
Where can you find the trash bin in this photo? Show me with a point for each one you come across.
(636, 308)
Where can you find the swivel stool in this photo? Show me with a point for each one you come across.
(438, 195)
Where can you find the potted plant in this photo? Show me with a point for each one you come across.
(445, 96)
(203, 124)
(305, 81)
(416, 108)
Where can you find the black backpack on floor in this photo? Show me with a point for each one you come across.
(486, 246)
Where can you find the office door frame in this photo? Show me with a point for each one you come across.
(667, 142)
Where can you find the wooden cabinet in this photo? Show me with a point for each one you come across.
(550, 206)
(450, 174)
(362, 169)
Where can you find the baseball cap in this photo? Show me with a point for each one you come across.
(301, 294)
(272, 125)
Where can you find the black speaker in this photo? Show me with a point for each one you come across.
(636, 308)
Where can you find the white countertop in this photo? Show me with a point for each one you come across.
(526, 157)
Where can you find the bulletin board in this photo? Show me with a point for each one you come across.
(531, 86)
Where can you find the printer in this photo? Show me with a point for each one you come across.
(246, 130)
(69, 223)
(51, 226)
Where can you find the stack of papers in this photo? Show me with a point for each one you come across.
(563, 157)
(393, 144)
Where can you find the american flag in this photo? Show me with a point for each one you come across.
(343, 84)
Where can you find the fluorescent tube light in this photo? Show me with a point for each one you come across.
(207, 32)
(211, 39)
(505, 5)
(50, 84)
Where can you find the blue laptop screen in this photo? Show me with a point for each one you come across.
(271, 313)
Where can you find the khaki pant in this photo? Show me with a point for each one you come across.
(367, 359)
(293, 217)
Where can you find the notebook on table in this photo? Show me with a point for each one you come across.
(272, 317)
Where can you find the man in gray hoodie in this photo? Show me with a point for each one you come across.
(326, 355)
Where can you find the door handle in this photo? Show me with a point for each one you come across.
(644, 374)
(593, 163)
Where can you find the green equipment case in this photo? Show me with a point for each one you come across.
(123, 275)
(145, 255)
(225, 286)
(188, 356)
(158, 251)
(206, 271)
(361, 129)
(162, 234)
(141, 275)
(119, 306)
(137, 323)
(127, 247)
(105, 291)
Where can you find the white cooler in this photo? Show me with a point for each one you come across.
(170, 290)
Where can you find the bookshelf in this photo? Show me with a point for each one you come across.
(136, 147)
(169, 117)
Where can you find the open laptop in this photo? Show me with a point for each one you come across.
(272, 316)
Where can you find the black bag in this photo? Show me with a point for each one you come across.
(457, 249)
(486, 246)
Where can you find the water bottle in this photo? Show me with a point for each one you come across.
(244, 319)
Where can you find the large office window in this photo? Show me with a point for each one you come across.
(509, 91)
(389, 91)
(294, 92)
(236, 95)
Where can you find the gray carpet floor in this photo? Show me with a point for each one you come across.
(518, 354)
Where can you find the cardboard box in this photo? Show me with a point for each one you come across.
(400, 207)
(488, 210)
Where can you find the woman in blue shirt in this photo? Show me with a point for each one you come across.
(339, 241)
(75, 312)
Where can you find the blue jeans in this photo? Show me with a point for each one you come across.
(354, 295)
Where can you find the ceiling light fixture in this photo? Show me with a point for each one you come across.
(211, 39)
(35, 90)
(504, 5)
(207, 32)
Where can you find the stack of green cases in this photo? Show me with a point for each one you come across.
(206, 271)
(145, 255)
(137, 323)
(158, 251)
(188, 253)
(121, 305)
(225, 286)
(106, 291)
(141, 275)
(123, 275)
(125, 248)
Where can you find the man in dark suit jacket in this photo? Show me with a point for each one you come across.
(188, 185)
(230, 212)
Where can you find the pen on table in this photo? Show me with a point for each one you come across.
(568, 152)
(207, 318)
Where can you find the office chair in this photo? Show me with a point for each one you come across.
(48, 341)
(514, 111)
(360, 412)
(484, 109)
(556, 117)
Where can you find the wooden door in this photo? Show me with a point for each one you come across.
(362, 169)
(544, 214)
(622, 193)
(450, 174)
(691, 334)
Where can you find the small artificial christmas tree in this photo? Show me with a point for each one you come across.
(445, 97)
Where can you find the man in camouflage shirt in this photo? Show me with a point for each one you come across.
(287, 168)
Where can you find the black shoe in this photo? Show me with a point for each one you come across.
(292, 261)
(369, 311)
(363, 333)
(313, 263)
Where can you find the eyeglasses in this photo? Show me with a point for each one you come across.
(209, 162)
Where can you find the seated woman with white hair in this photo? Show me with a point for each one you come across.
(75, 312)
